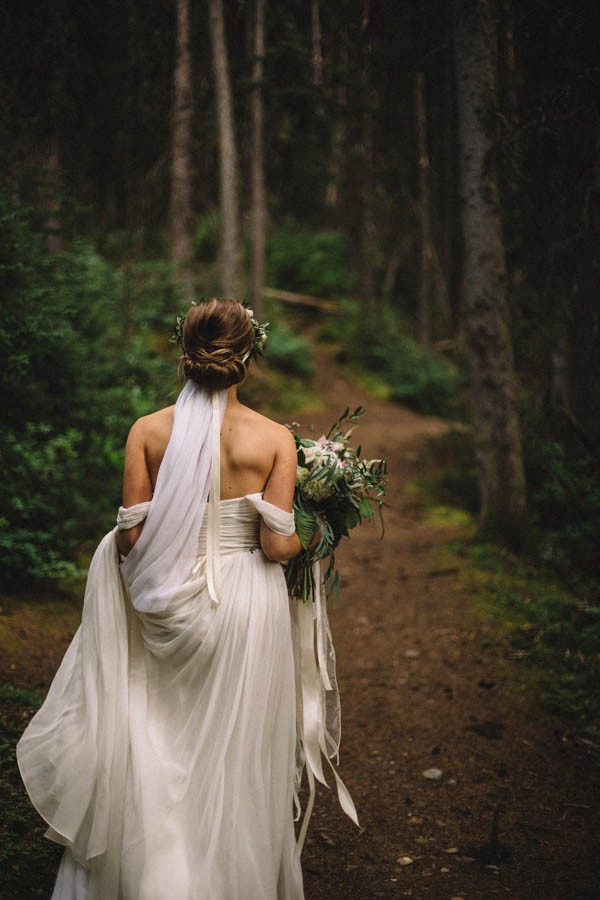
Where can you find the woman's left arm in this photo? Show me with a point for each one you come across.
(279, 490)
(137, 485)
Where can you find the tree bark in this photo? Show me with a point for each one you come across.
(512, 101)
(317, 44)
(259, 203)
(228, 167)
(426, 248)
(50, 190)
(560, 391)
(367, 239)
(451, 237)
(180, 211)
(338, 132)
(485, 305)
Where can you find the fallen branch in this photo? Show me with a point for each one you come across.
(329, 306)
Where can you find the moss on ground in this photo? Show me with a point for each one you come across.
(551, 631)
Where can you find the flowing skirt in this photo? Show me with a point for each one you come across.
(180, 785)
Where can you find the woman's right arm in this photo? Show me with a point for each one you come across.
(279, 490)
(137, 485)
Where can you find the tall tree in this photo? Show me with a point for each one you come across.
(50, 181)
(317, 43)
(426, 248)
(259, 203)
(180, 206)
(450, 242)
(228, 167)
(485, 306)
(368, 230)
(339, 130)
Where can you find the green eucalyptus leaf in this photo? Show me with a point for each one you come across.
(365, 509)
(352, 520)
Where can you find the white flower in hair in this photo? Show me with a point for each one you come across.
(260, 335)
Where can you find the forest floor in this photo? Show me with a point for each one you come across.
(427, 683)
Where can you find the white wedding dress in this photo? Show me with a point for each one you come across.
(167, 754)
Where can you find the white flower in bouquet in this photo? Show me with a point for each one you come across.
(302, 474)
(329, 460)
(316, 489)
(333, 446)
(311, 452)
(322, 450)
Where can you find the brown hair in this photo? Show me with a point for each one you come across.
(217, 338)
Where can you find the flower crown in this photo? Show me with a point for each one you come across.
(260, 332)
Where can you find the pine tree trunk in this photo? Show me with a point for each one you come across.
(560, 391)
(338, 133)
(317, 44)
(259, 204)
(50, 190)
(510, 56)
(228, 180)
(367, 238)
(451, 237)
(426, 249)
(180, 212)
(485, 306)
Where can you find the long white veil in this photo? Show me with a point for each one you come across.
(167, 548)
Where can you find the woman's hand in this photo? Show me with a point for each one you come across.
(314, 540)
(125, 539)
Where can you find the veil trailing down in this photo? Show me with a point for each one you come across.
(168, 753)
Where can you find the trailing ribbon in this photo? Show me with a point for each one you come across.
(313, 628)
(317, 695)
(213, 543)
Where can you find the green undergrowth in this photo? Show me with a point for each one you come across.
(550, 631)
(371, 382)
(28, 862)
(281, 384)
(549, 623)
(381, 350)
(280, 396)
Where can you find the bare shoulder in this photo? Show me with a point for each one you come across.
(153, 426)
(274, 432)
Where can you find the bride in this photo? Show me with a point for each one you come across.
(164, 758)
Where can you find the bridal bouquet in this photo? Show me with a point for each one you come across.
(336, 490)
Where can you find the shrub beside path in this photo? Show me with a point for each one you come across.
(427, 687)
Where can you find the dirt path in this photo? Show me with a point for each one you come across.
(422, 688)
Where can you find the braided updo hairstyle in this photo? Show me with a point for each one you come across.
(216, 341)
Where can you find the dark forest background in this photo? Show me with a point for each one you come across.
(416, 183)
(408, 191)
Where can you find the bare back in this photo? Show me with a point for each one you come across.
(257, 454)
(249, 445)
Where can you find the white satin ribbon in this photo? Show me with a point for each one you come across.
(130, 516)
(213, 548)
(314, 652)
(312, 627)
